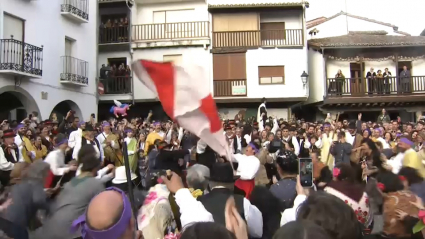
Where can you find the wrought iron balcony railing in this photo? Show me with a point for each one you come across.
(114, 85)
(22, 57)
(74, 71)
(76, 7)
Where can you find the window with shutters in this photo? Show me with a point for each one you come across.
(271, 75)
(272, 31)
(13, 26)
(229, 66)
(68, 46)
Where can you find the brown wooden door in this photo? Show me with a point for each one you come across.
(356, 83)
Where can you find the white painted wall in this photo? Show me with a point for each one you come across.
(144, 13)
(317, 72)
(46, 26)
(295, 62)
(190, 55)
(292, 18)
(338, 27)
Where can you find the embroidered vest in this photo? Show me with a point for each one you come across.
(8, 154)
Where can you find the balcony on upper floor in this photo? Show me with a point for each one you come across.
(171, 34)
(375, 92)
(20, 58)
(258, 38)
(113, 35)
(230, 88)
(74, 71)
(76, 10)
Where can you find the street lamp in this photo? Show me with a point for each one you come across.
(304, 78)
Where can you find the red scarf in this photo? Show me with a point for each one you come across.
(246, 185)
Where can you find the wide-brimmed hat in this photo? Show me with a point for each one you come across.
(222, 173)
(8, 134)
(89, 127)
(121, 177)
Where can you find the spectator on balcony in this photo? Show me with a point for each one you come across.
(371, 75)
(387, 81)
(405, 80)
(379, 82)
(339, 82)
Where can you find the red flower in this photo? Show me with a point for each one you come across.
(365, 213)
(356, 212)
(367, 201)
(402, 178)
(346, 201)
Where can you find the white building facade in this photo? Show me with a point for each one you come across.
(48, 57)
(354, 45)
(249, 49)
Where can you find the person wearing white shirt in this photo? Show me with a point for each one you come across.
(76, 135)
(8, 156)
(56, 161)
(221, 182)
(89, 138)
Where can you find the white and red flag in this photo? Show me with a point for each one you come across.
(185, 96)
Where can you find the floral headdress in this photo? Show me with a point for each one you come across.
(336, 172)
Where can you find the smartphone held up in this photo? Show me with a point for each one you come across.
(306, 172)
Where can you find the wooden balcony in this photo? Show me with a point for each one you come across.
(259, 38)
(230, 88)
(358, 90)
(171, 31)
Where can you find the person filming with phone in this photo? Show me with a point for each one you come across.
(341, 150)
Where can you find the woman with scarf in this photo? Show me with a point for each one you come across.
(345, 188)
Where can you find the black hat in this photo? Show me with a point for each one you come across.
(231, 122)
(89, 127)
(227, 127)
(9, 133)
(222, 173)
(352, 125)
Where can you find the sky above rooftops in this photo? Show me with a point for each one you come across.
(407, 15)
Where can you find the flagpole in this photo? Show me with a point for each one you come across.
(129, 182)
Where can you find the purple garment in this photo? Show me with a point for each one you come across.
(114, 231)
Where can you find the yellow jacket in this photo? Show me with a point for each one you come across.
(150, 140)
(27, 146)
(412, 160)
(40, 153)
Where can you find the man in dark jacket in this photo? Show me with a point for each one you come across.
(341, 150)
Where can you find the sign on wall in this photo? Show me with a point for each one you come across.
(238, 89)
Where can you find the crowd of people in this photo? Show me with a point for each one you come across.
(66, 178)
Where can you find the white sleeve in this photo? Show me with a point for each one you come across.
(54, 166)
(4, 164)
(319, 143)
(296, 146)
(247, 138)
(260, 125)
(77, 148)
(191, 210)
(102, 154)
(181, 134)
(201, 146)
(290, 214)
(254, 219)
(275, 126)
(71, 139)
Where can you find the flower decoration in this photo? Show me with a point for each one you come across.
(196, 193)
(381, 186)
(421, 224)
(402, 178)
(336, 172)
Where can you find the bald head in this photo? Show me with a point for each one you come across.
(105, 210)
